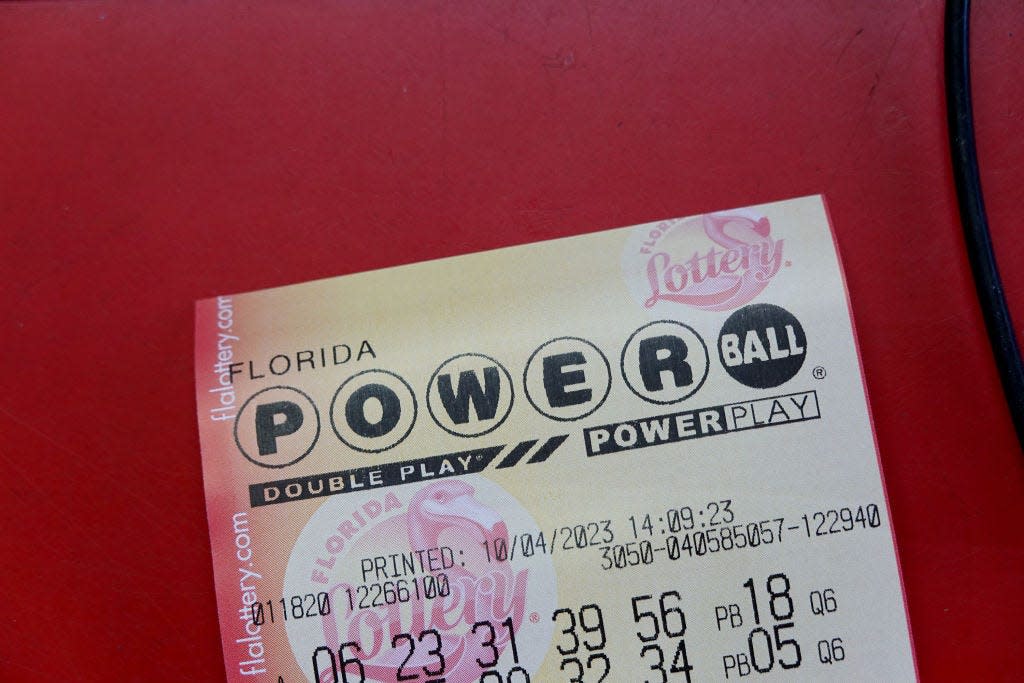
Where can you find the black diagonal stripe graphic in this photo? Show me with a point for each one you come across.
(516, 454)
(549, 447)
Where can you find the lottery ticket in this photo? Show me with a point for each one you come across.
(636, 455)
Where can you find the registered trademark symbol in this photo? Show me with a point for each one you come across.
(534, 617)
(818, 372)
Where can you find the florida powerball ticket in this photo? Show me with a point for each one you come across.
(638, 455)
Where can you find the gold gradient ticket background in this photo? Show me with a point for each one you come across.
(505, 304)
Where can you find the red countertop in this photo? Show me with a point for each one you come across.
(153, 154)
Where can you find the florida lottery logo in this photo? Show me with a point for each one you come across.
(420, 582)
(715, 262)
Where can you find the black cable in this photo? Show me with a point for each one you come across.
(972, 211)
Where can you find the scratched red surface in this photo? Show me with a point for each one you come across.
(153, 154)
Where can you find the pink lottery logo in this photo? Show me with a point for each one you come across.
(457, 607)
(715, 262)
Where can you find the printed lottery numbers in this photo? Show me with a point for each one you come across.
(764, 649)
(582, 644)
(658, 628)
(516, 674)
(770, 642)
(350, 663)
